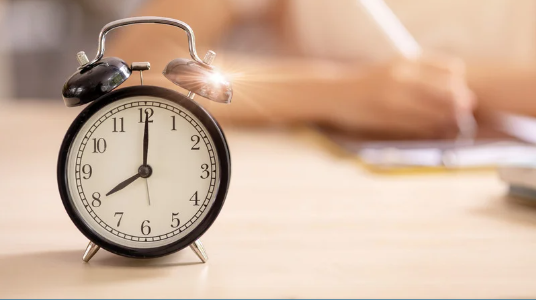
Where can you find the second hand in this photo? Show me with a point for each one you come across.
(147, 186)
(145, 151)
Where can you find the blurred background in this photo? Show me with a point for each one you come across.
(329, 64)
(326, 64)
(329, 58)
(38, 39)
(43, 35)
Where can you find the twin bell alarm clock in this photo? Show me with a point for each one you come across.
(143, 171)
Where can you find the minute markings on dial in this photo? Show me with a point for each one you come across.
(203, 203)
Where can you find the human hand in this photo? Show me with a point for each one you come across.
(407, 98)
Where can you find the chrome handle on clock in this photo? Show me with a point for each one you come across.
(146, 20)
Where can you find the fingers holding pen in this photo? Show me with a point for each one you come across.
(435, 89)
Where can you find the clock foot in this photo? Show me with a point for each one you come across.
(90, 251)
(198, 248)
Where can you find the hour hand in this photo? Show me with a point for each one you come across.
(124, 184)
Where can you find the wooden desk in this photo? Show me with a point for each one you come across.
(298, 222)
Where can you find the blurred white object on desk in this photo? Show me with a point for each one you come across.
(520, 171)
(520, 127)
(521, 177)
(481, 155)
(512, 144)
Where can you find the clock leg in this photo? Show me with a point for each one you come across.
(198, 248)
(90, 251)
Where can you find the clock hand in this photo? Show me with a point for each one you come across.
(145, 151)
(147, 186)
(124, 184)
(146, 139)
(144, 171)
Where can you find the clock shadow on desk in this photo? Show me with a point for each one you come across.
(65, 269)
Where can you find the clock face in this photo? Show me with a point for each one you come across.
(142, 205)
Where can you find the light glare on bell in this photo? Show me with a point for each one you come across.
(217, 78)
(199, 80)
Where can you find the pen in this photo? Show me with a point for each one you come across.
(410, 49)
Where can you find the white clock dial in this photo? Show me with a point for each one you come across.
(153, 211)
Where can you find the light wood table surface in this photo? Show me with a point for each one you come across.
(298, 222)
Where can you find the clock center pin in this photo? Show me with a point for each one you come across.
(145, 171)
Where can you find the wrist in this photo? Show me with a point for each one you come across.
(349, 100)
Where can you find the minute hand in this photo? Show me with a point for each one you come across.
(124, 184)
(146, 139)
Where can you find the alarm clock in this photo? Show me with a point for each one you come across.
(143, 171)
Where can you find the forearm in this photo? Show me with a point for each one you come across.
(279, 90)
